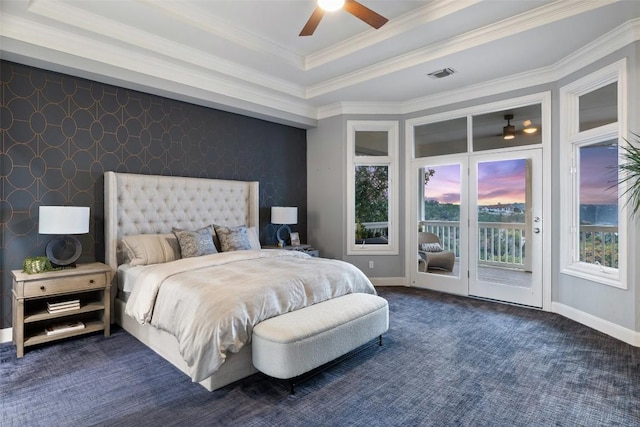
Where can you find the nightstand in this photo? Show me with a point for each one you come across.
(302, 248)
(89, 284)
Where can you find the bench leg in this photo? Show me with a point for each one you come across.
(290, 383)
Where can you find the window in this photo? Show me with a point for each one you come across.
(373, 187)
(594, 217)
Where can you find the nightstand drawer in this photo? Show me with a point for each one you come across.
(63, 284)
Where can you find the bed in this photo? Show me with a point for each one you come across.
(146, 205)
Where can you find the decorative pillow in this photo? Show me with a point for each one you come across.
(431, 247)
(233, 238)
(195, 243)
(254, 239)
(144, 249)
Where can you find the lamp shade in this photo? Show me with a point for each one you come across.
(63, 220)
(284, 215)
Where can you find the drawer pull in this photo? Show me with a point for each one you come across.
(91, 281)
(42, 288)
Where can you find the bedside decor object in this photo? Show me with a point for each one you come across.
(36, 264)
(63, 221)
(283, 216)
(295, 239)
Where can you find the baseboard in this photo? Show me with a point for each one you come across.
(389, 281)
(6, 335)
(616, 331)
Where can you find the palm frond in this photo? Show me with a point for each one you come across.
(630, 173)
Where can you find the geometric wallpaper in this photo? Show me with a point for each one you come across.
(60, 134)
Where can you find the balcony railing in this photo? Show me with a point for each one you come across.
(500, 243)
(504, 244)
(599, 245)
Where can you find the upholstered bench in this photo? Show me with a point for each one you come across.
(292, 344)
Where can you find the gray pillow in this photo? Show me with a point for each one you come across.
(233, 238)
(195, 243)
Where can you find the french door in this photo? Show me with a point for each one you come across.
(486, 209)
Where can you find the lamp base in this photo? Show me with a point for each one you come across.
(63, 251)
(281, 241)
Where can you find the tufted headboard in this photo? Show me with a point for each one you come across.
(152, 204)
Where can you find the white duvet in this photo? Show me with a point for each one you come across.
(211, 303)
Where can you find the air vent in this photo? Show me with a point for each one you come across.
(445, 72)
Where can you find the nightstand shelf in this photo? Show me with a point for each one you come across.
(88, 283)
(41, 315)
(41, 337)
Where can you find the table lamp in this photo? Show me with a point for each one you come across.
(63, 221)
(283, 216)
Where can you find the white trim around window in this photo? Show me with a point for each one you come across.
(390, 161)
(572, 141)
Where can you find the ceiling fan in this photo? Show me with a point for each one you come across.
(352, 6)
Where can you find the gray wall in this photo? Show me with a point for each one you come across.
(327, 200)
(618, 306)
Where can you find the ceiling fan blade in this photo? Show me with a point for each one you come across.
(313, 22)
(364, 13)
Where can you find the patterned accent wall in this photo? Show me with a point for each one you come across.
(61, 133)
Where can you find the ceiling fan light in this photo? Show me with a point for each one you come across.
(330, 5)
(529, 127)
(509, 132)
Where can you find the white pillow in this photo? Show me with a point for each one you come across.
(254, 239)
(431, 247)
(145, 249)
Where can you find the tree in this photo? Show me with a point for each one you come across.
(372, 194)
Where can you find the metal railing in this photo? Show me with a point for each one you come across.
(599, 245)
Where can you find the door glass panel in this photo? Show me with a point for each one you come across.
(508, 128)
(435, 139)
(372, 204)
(439, 225)
(599, 204)
(599, 107)
(504, 198)
(372, 143)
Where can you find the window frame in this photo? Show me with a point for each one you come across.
(391, 161)
(572, 140)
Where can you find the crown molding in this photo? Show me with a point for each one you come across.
(616, 39)
(103, 61)
(508, 27)
(70, 15)
(413, 19)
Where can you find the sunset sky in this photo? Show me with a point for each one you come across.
(597, 173)
(500, 182)
(504, 181)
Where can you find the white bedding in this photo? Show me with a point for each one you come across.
(211, 303)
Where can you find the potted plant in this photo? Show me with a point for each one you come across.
(630, 172)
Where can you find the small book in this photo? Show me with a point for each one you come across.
(62, 303)
(64, 308)
(63, 327)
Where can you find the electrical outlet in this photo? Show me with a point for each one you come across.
(370, 264)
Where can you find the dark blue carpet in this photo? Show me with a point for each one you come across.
(446, 361)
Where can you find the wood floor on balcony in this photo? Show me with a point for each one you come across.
(506, 276)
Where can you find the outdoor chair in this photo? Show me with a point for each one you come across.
(431, 255)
